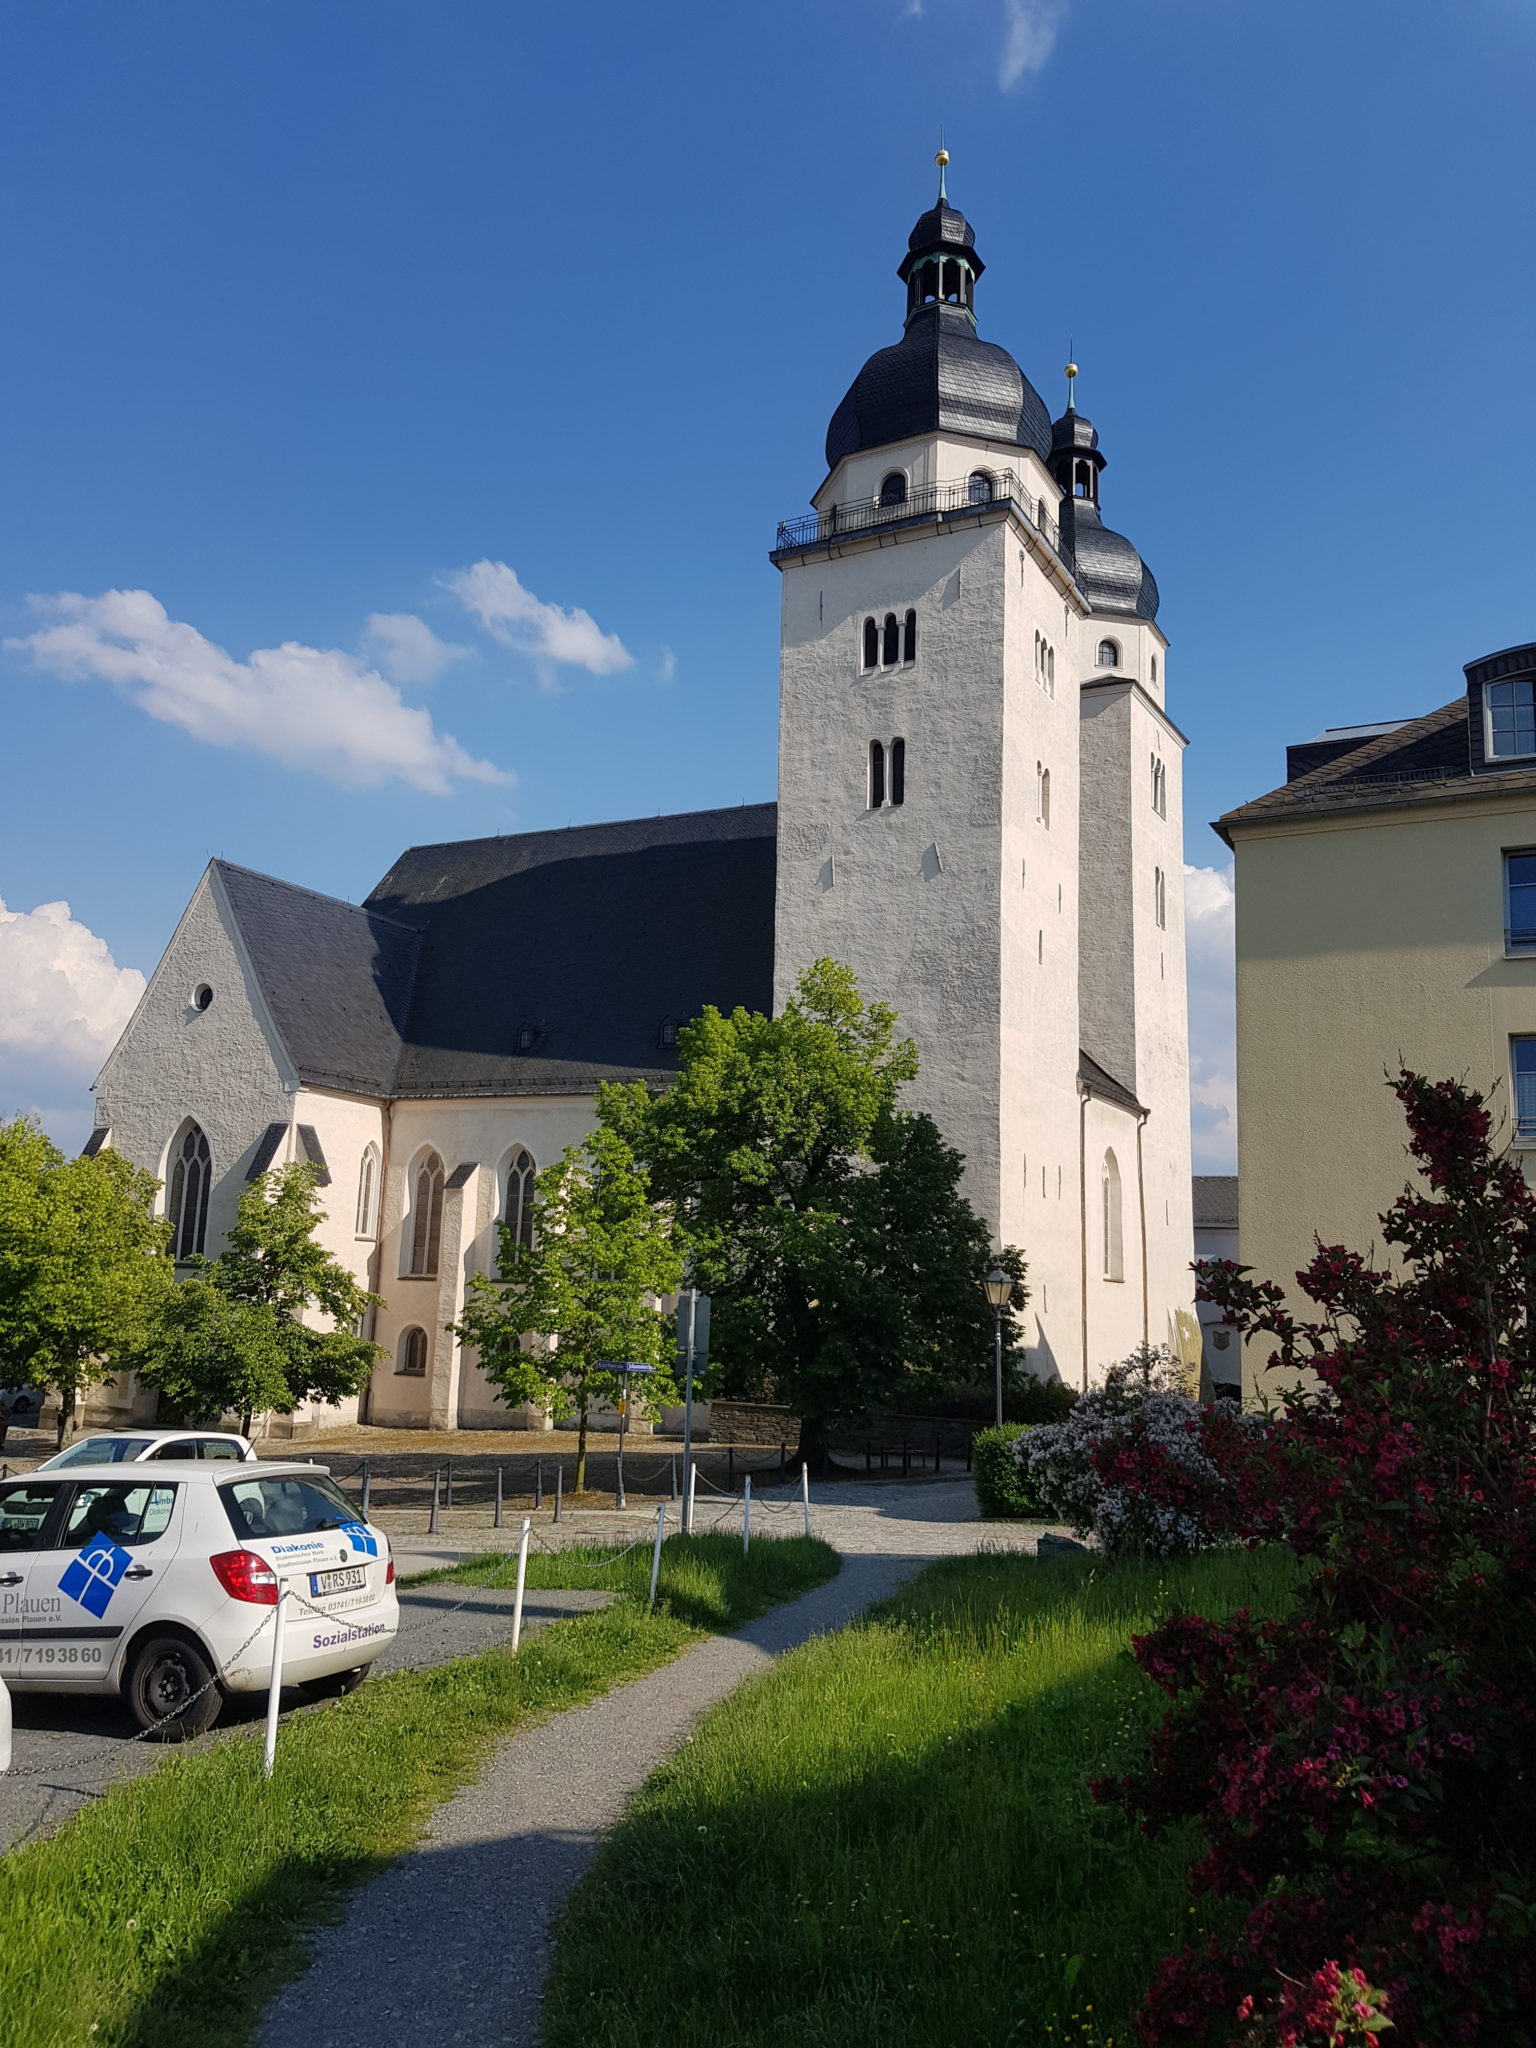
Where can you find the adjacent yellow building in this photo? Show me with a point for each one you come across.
(1386, 916)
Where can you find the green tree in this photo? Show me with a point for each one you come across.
(84, 1271)
(603, 1252)
(236, 1338)
(825, 1221)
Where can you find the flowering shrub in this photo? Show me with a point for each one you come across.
(1132, 1463)
(1363, 1769)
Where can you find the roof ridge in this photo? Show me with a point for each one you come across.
(316, 895)
(592, 825)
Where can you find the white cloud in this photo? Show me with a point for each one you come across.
(308, 707)
(407, 649)
(1209, 923)
(63, 1002)
(491, 592)
(666, 667)
(1029, 36)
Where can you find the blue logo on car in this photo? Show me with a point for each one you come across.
(93, 1575)
(360, 1538)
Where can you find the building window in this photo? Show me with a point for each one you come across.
(1520, 902)
(666, 1035)
(1160, 897)
(425, 1236)
(202, 996)
(368, 1193)
(1042, 795)
(411, 1357)
(890, 652)
(893, 489)
(1522, 1060)
(527, 1037)
(186, 1196)
(1114, 1246)
(979, 488)
(898, 772)
(871, 644)
(1159, 786)
(909, 638)
(876, 775)
(1154, 668)
(1108, 655)
(1511, 713)
(518, 1213)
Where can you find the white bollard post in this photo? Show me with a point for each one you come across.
(5, 1727)
(693, 1473)
(661, 1530)
(805, 1495)
(275, 1685)
(522, 1574)
(746, 1514)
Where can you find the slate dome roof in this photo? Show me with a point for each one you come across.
(941, 223)
(941, 377)
(1109, 572)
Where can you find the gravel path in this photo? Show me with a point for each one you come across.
(71, 1750)
(417, 1941)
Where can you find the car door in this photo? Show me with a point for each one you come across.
(111, 1545)
(29, 1510)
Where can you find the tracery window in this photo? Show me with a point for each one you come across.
(411, 1354)
(368, 1193)
(518, 1212)
(186, 1192)
(425, 1237)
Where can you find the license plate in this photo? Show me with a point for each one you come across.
(351, 1580)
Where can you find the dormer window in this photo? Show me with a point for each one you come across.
(1510, 709)
(666, 1036)
(527, 1037)
(893, 488)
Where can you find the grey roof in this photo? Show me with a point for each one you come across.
(591, 938)
(1108, 570)
(939, 378)
(1215, 1201)
(1099, 1081)
(336, 978)
(942, 226)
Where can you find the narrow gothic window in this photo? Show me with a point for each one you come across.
(1160, 896)
(1114, 1248)
(892, 650)
(1042, 794)
(426, 1219)
(411, 1358)
(368, 1193)
(186, 1200)
(1154, 668)
(871, 644)
(1159, 786)
(518, 1215)
(893, 490)
(909, 638)
(1108, 655)
(876, 775)
(898, 771)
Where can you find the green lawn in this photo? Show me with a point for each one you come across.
(888, 1838)
(169, 1910)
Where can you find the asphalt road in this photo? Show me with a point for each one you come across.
(67, 1751)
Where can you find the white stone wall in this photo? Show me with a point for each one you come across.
(935, 459)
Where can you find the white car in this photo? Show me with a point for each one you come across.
(151, 1585)
(129, 1446)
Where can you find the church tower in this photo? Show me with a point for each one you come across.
(979, 805)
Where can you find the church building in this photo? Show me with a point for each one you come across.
(979, 812)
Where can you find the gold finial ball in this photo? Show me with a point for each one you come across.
(942, 158)
(1071, 369)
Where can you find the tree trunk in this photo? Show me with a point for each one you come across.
(814, 1451)
(581, 1447)
(66, 1416)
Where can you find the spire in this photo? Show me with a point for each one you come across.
(1071, 377)
(942, 160)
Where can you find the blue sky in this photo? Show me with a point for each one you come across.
(312, 309)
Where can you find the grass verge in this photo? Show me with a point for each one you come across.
(889, 1837)
(705, 1580)
(173, 1907)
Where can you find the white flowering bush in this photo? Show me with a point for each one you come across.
(1131, 1465)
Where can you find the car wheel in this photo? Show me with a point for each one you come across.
(168, 1674)
(336, 1684)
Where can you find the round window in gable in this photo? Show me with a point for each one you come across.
(202, 996)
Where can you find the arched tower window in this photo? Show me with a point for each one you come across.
(980, 488)
(186, 1192)
(518, 1213)
(424, 1238)
(871, 644)
(1082, 480)
(891, 650)
(411, 1354)
(1108, 655)
(1114, 1239)
(1159, 786)
(876, 775)
(898, 772)
(1042, 794)
(1160, 897)
(909, 638)
(893, 488)
(368, 1193)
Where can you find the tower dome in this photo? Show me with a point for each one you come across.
(1108, 570)
(941, 377)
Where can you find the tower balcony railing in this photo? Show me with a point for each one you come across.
(960, 496)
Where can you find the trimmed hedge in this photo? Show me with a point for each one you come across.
(1003, 1492)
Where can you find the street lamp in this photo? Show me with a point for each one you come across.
(999, 1286)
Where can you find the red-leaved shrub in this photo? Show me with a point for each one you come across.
(1363, 1770)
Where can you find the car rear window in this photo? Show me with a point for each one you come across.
(220, 1447)
(23, 1511)
(101, 1450)
(128, 1512)
(285, 1505)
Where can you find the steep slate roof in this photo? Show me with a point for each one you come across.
(336, 978)
(1099, 1081)
(1215, 1201)
(592, 939)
